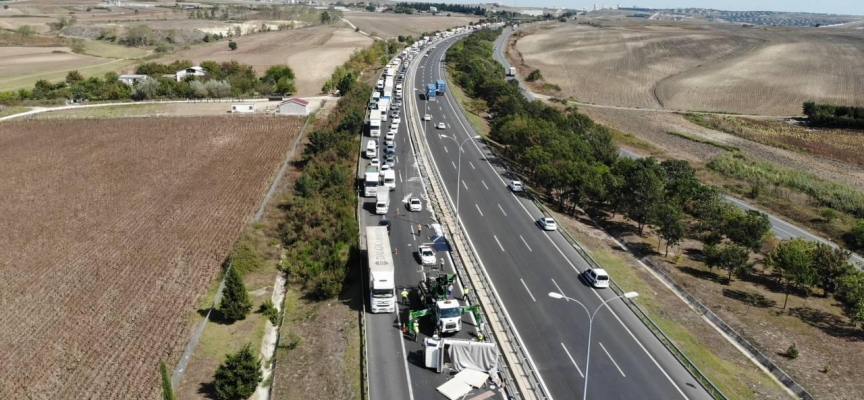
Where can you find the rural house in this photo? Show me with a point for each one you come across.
(131, 79)
(293, 106)
(193, 71)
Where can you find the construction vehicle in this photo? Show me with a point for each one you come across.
(435, 291)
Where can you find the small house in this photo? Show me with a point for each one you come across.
(293, 106)
(242, 108)
(131, 79)
(193, 71)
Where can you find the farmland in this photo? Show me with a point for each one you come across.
(392, 25)
(313, 53)
(111, 232)
(705, 67)
(22, 66)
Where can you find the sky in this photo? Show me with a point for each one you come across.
(847, 7)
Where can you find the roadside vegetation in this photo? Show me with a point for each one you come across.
(573, 164)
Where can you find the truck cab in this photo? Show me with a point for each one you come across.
(448, 316)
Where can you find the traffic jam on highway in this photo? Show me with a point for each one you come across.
(411, 274)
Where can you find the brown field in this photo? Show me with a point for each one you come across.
(706, 67)
(111, 230)
(393, 25)
(313, 53)
(22, 66)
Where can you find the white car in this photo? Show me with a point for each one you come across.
(385, 167)
(388, 143)
(427, 256)
(375, 162)
(516, 186)
(597, 278)
(390, 136)
(396, 120)
(414, 204)
(441, 125)
(547, 223)
(427, 117)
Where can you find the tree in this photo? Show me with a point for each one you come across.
(670, 224)
(232, 45)
(748, 229)
(852, 293)
(534, 75)
(345, 83)
(325, 17)
(855, 237)
(644, 186)
(831, 265)
(167, 389)
(793, 261)
(235, 302)
(733, 258)
(237, 377)
(370, 8)
(26, 30)
(74, 77)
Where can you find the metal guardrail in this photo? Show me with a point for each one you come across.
(469, 253)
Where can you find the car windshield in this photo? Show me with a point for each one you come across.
(427, 253)
(450, 312)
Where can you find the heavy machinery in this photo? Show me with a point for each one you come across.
(436, 291)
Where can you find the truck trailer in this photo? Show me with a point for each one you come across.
(375, 123)
(370, 181)
(440, 86)
(511, 71)
(382, 281)
(431, 89)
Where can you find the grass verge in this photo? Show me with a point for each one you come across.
(703, 141)
(480, 124)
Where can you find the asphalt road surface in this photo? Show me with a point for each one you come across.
(525, 263)
(780, 228)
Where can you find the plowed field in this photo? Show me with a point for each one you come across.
(110, 231)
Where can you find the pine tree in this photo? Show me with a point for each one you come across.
(238, 376)
(235, 302)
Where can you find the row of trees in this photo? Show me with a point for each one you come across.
(573, 161)
(832, 116)
(345, 75)
(441, 7)
(221, 80)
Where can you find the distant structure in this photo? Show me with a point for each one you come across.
(131, 79)
(293, 106)
(193, 71)
(243, 108)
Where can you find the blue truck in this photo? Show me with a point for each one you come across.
(441, 86)
(430, 91)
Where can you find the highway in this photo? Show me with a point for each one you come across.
(396, 368)
(780, 228)
(525, 263)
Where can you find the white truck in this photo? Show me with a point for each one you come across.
(388, 179)
(511, 71)
(384, 107)
(375, 123)
(370, 181)
(382, 280)
(382, 201)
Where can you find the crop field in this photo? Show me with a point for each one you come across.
(393, 25)
(313, 53)
(706, 67)
(111, 231)
(22, 66)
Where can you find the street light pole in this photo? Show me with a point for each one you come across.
(554, 295)
(459, 169)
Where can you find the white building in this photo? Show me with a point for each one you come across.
(242, 108)
(131, 79)
(293, 106)
(194, 71)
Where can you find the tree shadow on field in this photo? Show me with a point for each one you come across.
(207, 389)
(750, 298)
(695, 254)
(831, 324)
(216, 316)
(701, 274)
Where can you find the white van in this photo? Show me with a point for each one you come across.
(382, 202)
(371, 149)
(388, 178)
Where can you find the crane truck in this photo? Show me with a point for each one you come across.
(446, 311)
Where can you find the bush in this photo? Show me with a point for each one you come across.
(232, 45)
(238, 376)
(167, 389)
(792, 352)
(534, 75)
(269, 310)
(855, 237)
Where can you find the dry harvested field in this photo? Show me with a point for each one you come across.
(313, 53)
(39, 14)
(711, 67)
(21, 66)
(389, 25)
(110, 232)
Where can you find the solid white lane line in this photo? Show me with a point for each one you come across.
(400, 176)
(572, 360)
(499, 242)
(559, 289)
(464, 185)
(454, 164)
(526, 243)
(478, 209)
(445, 150)
(529, 292)
(613, 360)
(502, 210)
(484, 185)
(472, 165)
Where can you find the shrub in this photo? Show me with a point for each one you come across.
(792, 352)
(167, 389)
(534, 75)
(232, 45)
(270, 311)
